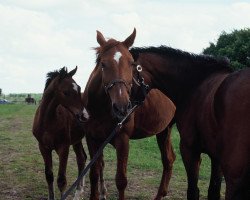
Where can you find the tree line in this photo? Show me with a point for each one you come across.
(234, 45)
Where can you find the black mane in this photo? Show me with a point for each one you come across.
(220, 62)
(52, 75)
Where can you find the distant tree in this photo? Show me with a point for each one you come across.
(0, 91)
(235, 46)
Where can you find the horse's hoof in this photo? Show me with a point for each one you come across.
(102, 197)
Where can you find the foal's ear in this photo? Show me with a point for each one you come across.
(130, 40)
(100, 39)
(71, 73)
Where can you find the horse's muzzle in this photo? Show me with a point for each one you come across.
(82, 116)
(120, 111)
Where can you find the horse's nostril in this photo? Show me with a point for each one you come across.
(119, 110)
(115, 108)
(81, 117)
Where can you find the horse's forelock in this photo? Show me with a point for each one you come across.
(102, 49)
(62, 73)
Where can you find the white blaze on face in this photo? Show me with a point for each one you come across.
(75, 87)
(117, 56)
(120, 92)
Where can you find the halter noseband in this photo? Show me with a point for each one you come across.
(112, 83)
(139, 80)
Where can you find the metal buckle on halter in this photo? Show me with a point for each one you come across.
(137, 80)
(144, 88)
(139, 68)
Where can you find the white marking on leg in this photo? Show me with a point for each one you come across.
(80, 189)
(75, 87)
(117, 56)
(102, 191)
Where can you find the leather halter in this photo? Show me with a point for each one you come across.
(112, 83)
(144, 88)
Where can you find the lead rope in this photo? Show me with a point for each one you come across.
(98, 153)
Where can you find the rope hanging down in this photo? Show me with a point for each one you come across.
(98, 153)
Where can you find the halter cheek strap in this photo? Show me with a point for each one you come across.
(139, 81)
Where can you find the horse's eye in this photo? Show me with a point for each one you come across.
(103, 65)
(133, 64)
(66, 93)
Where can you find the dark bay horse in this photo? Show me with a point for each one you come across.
(30, 100)
(58, 124)
(212, 114)
(104, 107)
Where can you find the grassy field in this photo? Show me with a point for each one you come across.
(20, 98)
(22, 169)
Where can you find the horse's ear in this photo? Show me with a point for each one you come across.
(100, 39)
(71, 73)
(130, 40)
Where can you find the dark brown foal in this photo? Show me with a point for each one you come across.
(58, 123)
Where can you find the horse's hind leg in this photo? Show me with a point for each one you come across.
(81, 158)
(215, 181)
(47, 157)
(63, 153)
(168, 158)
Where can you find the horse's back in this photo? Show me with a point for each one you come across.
(156, 112)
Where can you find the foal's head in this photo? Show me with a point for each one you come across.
(62, 88)
(116, 63)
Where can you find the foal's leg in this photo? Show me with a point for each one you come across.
(63, 153)
(191, 159)
(103, 189)
(47, 157)
(94, 174)
(81, 158)
(122, 148)
(168, 158)
(215, 181)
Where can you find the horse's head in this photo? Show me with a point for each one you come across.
(116, 63)
(65, 91)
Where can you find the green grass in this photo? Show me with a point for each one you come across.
(22, 169)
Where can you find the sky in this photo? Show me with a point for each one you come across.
(40, 36)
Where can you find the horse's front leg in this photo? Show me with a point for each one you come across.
(47, 157)
(103, 189)
(122, 148)
(63, 153)
(94, 175)
(192, 160)
(81, 158)
(215, 181)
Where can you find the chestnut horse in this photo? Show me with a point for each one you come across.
(212, 114)
(58, 124)
(103, 105)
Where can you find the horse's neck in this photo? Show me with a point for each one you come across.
(177, 78)
(96, 99)
(98, 103)
(48, 108)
